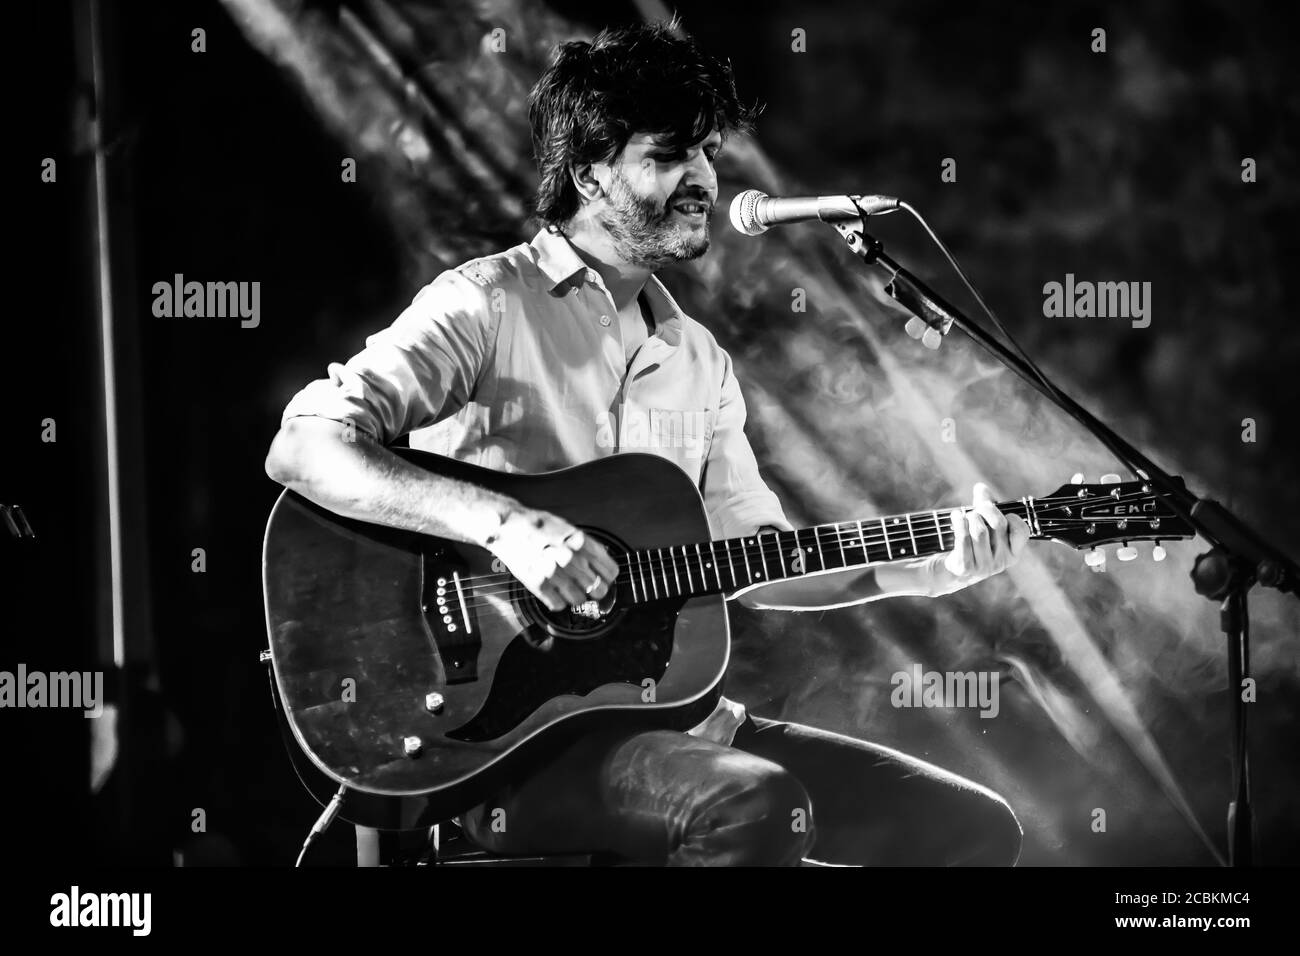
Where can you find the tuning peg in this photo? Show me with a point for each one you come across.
(1110, 479)
(1158, 553)
(1076, 478)
(1126, 553)
(932, 338)
(915, 327)
(1095, 559)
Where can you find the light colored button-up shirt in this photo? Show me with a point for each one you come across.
(516, 362)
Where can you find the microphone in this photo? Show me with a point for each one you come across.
(753, 212)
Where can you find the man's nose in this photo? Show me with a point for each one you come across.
(701, 175)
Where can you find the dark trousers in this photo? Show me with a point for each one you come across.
(781, 793)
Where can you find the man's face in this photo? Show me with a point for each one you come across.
(660, 199)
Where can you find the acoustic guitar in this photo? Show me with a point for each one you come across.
(416, 669)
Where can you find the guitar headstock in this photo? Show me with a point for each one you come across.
(1087, 515)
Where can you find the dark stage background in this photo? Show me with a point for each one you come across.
(1123, 165)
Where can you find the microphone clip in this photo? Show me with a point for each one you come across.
(929, 322)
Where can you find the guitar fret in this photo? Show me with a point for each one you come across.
(938, 530)
(704, 578)
(888, 550)
(690, 585)
(744, 553)
(799, 551)
(779, 553)
(817, 538)
(862, 540)
(762, 557)
(731, 564)
(839, 538)
(630, 579)
(676, 577)
(911, 534)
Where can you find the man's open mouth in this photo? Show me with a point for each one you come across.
(692, 208)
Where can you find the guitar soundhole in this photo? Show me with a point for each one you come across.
(585, 621)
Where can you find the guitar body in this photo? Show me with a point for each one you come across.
(410, 669)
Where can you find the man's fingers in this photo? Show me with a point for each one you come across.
(544, 566)
(980, 543)
(583, 576)
(549, 596)
(998, 530)
(600, 561)
(1017, 534)
(569, 590)
(560, 554)
(961, 542)
(995, 519)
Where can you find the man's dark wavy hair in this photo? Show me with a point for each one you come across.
(649, 78)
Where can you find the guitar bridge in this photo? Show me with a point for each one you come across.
(450, 619)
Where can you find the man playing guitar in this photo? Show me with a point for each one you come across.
(546, 356)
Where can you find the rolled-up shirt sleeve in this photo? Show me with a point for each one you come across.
(736, 498)
(416, 372)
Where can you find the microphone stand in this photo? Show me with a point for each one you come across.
(1238, 557)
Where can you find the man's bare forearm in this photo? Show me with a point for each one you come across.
(361, 479)
(824, 592)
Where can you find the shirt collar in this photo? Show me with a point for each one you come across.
(556, 258)
(559, 262)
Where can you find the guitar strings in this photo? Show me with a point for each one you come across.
(653, 558)
(653, 562)
(876, 536)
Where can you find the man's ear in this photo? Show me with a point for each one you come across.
(587, 180)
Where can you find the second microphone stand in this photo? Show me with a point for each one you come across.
(1238, 557)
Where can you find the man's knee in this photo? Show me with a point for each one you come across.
(760, 815)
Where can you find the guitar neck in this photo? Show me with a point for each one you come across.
(715, 567)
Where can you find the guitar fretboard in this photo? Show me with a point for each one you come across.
(714, 567)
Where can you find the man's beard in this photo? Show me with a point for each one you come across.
(645, 235)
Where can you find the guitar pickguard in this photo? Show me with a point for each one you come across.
(527, 677)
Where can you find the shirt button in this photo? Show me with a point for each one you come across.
(604, 320)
